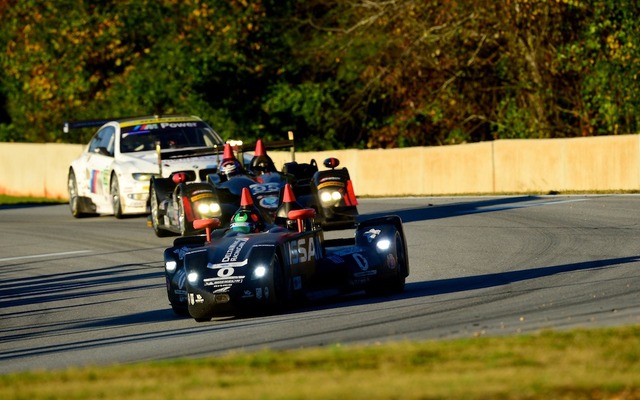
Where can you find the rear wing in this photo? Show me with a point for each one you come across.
(240, 147)
(83, 124)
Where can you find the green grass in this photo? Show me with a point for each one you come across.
(17, 200)
(579, 364)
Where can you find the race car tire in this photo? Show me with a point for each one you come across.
(280, 285)
(180, 310)
(155, 219)
(74, 199)
(182, 218)
(116, 201)
(398, 283)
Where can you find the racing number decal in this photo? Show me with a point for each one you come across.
(257, 189)
(225, 272)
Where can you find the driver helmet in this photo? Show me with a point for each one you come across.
(244, 221)
(230, 168)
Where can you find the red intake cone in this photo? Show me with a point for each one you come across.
(288, 196)
(259, 151)
(228, 152)
(246, 200)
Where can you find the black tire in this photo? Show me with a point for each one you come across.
(182, 218)
(74, 200)
(180, 310)
(398, 283)
(281, 286)
(155, 220)
(395, 284)
(204, 319)
(116, 201)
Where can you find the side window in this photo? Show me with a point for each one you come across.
(103, 138)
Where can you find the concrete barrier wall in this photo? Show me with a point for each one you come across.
(503, 166)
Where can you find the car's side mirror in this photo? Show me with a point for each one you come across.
(331, 162)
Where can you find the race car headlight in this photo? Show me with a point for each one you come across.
(259, 272)
(192, 277)
(330, 197)
(170, 266)
(143, 177)
(383, 244)
(209, 209)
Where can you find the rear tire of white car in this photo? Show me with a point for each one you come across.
(116, 201)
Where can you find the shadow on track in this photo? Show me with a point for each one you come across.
(431, 211)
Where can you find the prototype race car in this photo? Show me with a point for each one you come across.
(180, 199)
(112, 175)
(230, 270)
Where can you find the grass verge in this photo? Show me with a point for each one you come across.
(577, 364)
(17, 200)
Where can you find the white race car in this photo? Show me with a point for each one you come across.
(112, 175)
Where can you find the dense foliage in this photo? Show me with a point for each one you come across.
(339, 73)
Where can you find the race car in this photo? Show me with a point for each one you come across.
(179, 200)
(329, 192)
(113, 173)
(228, 271)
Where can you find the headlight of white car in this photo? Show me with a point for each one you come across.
(142, 176)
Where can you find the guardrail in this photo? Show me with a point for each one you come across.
(601, 163)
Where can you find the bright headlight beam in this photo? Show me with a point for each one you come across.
(192, 277)
(259, 272)
(383, 244)
(171, 266)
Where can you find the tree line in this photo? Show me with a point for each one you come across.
(339, 73)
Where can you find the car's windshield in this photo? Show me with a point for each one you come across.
(171, 136)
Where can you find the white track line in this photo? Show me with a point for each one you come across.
(45, 255)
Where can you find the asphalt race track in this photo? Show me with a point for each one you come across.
(90, 291)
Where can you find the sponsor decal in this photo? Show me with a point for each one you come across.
(195, 298)
(221, 282)
(270, 203)
(302, 250)
(234, 250)
(201, 197)
(336, 259)
(330, 184)
(178, 125)
(144, 127)
(222, 290)
(371, 234)
(247, 294)
(181, 252)
(266, 292)
(331, 178)
(259, 293)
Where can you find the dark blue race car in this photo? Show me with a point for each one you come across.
(254, 265)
